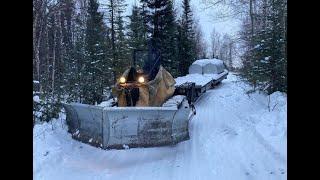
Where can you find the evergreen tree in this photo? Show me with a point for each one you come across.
(187, 50)
(200, 43)
(122, 45)
(265, 63)
(95, 55)
(119, 46)
(161, 26)
(169, 40)
(136, 29)
(137, 34)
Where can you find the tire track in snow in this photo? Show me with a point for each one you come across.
(200, 127)
(249, 126)
(189, 154)
(231, 107)
(238, 122)
(136, 167)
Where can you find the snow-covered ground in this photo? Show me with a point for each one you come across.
(234, 136)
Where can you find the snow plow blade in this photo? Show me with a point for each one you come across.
(123, 127)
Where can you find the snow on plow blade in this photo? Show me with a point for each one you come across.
(119, 127)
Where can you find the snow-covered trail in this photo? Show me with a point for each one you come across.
(233, 136)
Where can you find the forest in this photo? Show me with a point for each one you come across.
(81, 47)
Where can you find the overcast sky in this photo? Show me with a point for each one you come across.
(206, 18)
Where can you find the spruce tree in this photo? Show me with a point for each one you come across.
(187, 50)
(136, 29)
(169, 40)
(119, 45)
(162, 29)
(95, 55)
(122, 45)
(265, 62)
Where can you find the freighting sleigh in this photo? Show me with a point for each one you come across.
(162, 118)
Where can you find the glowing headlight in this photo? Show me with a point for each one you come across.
(141, 79)
(122, 80)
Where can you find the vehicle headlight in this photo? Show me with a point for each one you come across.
(141, 79)
(122, 80)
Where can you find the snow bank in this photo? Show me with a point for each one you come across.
(273, 121)
(278, 101)
(48, 142)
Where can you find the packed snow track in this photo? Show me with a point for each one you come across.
(234, 136)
